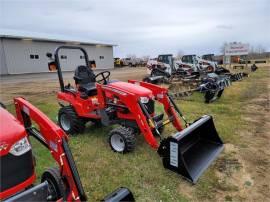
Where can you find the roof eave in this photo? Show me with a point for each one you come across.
(57, 40)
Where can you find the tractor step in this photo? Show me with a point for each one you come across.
(191, 151)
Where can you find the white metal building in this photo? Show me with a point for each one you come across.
(20, 55)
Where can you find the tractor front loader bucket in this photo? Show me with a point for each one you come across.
(190, 151)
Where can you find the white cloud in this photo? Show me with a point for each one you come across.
(144, 27)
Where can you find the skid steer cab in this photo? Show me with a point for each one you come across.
(61, 183)
(131, 106)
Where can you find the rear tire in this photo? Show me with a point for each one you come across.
(56, 184)
(69, 121)
(122, 139)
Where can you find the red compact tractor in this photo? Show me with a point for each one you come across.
(18, 163)
(131, 105)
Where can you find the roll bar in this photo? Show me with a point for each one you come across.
(57, 62)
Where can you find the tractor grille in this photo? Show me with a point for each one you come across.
(150, 106)
(15, 169)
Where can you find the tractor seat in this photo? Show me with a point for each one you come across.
(85, 79)
(89, 89)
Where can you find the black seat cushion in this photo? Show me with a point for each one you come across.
(88, 88)
(85, 78)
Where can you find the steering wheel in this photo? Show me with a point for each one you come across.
(105, 77)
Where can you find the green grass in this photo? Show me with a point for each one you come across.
(102, 170)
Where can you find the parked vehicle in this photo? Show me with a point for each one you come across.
(131, 105)
(198, 64)
(128, 62)
(208, 77)
(61, 183)
(118, 62)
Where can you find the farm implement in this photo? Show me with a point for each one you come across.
(191, 74)
(212, 86)
(131, 106)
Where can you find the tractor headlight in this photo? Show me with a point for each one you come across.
(20, 147)
(144, 100)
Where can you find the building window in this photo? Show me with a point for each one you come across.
(101, 57)
(32, 56)
(63, 57)
(82, 57)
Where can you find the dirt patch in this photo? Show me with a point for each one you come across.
(234, 180)
(247, 167)
(242, 171)
(40, 86)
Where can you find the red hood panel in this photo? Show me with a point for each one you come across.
(132, 88)
(11, 130)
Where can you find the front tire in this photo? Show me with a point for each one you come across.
(122, 139)
(210, 69)
(220, 93)
(69, 121)
(209, 96)
(56, 184)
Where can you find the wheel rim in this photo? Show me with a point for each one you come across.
(117, 143)
(53, 189)
(65, 122)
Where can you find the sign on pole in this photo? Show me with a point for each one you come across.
(227, 60)
(236, 49)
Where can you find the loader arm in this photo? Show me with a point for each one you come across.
(132, 103)
(161, 94)
(52, 137)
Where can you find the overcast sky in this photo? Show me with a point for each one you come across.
(143, 27)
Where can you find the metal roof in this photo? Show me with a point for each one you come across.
(57, 40)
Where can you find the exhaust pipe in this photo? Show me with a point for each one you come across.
(191, 151)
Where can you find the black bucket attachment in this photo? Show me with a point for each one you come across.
(192, 150)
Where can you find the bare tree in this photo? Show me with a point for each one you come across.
(260, 49)
(257, 51)
(251, 50)
(222, 48)
(132, 56)
(146, 57)
(179, 54)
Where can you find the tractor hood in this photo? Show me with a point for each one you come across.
(132, 88)
(11, 131)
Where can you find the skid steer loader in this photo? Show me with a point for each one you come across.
(190, 74)
(185, 78)
(131, 105)
(189, 68)
(167, 70)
